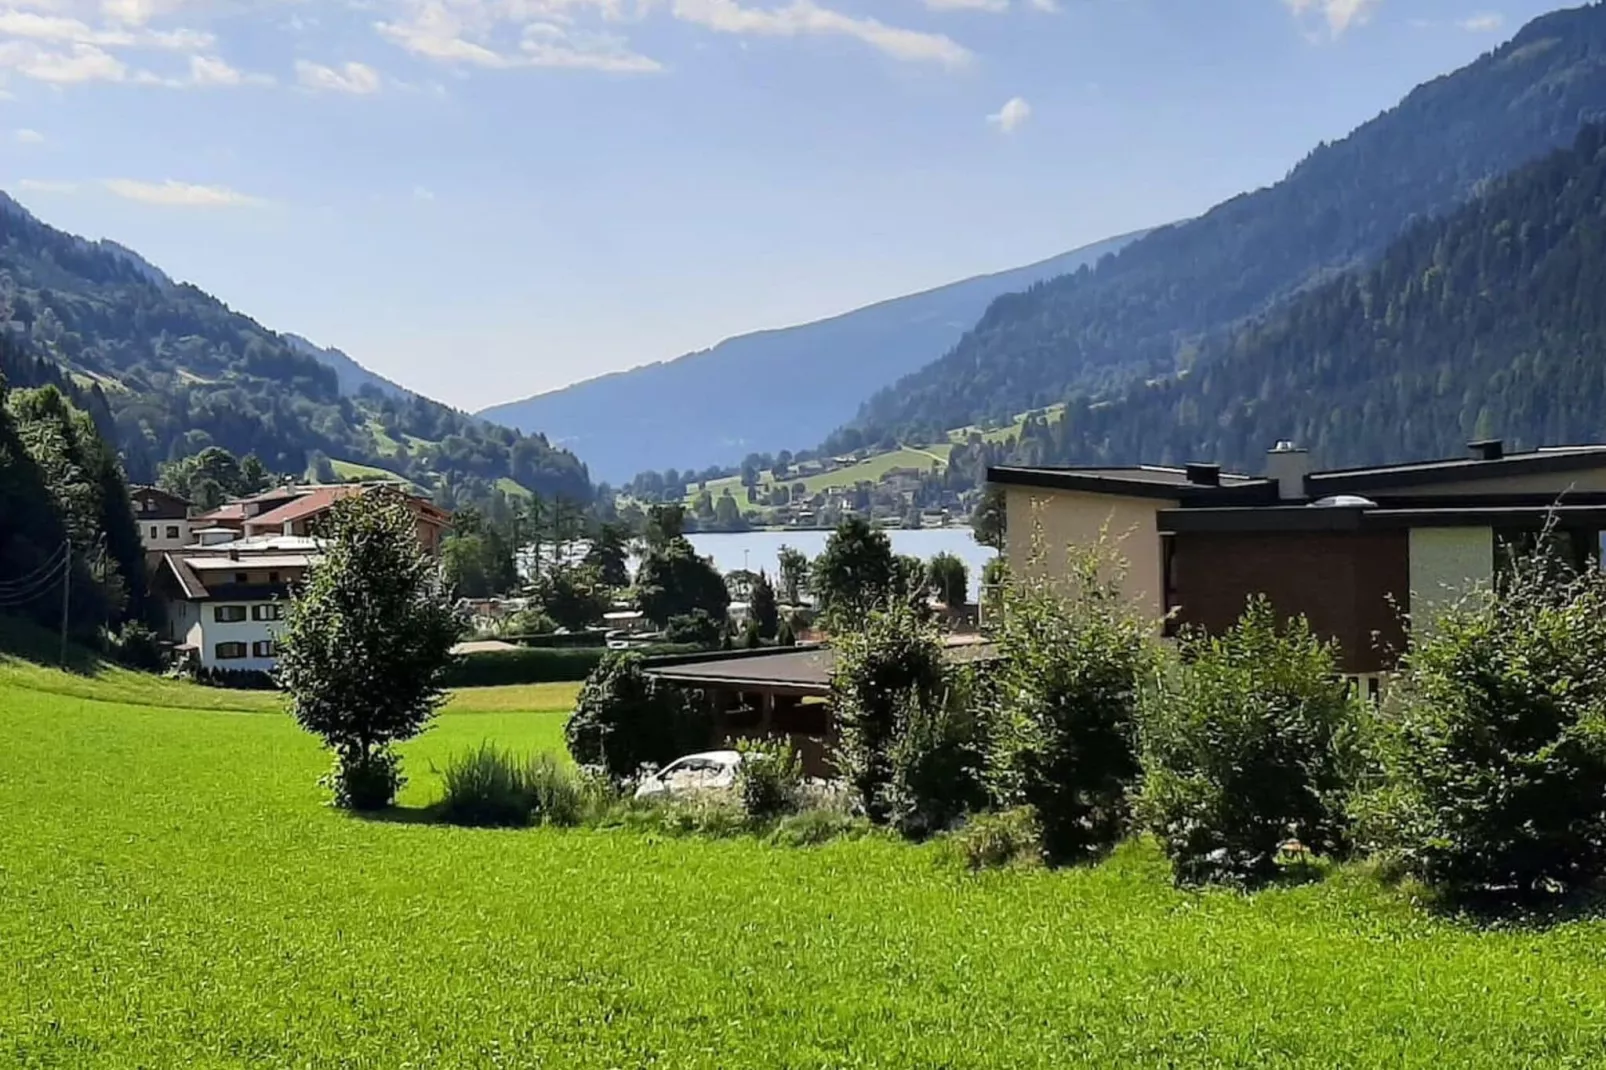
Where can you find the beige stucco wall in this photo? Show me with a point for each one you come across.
(1074, 518)
(1446, 563)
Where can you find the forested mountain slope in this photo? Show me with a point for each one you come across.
(1490, 322)
(772, 389)
(180, 371)
(1143, 312)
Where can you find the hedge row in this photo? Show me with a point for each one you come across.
(537, 665)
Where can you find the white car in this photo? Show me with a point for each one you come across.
(710, 771)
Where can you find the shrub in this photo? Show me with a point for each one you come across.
(536, 665)
(891, 665)
(814, 826)
(1064, 732)
(625, 719)
(993, 840)
(694, 629)
(769, 780)
(1246, 745)
(937, 759)
(1493, 748)
(485, 786)
(136, 646)
(558, 794)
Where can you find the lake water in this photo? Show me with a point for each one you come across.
(760, 550)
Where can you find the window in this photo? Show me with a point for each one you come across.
(241, 577)
(153, 532)
(263, 648)
(273, 577)
(230, 651)
(172, 531)
(228, 615)
(270, 611)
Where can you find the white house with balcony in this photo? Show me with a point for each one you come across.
(163, 519)
(223, 603)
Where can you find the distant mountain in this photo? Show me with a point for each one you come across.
(1147, 312)
(175, 371)
(353, 377)
(769, 390)
(1488, 323)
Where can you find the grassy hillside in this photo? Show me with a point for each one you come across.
(175, 892)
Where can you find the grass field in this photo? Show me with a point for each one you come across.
(174, 893)
(870, 470)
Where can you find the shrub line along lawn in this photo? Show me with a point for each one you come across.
(174, 892)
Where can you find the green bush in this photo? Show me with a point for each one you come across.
(1064, 732)
(485, 786)
(536, 665)
(1492, 752)
(937, 758)
(890, 665)
(558, 794)
(1248, 743)
(625, 719)
(815, 826)
(136, 646)
(993, 840)
(769, 780)
(694, 629)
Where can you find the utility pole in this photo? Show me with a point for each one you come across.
(66, 592)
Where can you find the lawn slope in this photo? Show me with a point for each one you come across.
(174, 892)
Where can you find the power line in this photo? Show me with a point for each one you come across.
(36, 587)
(52, 563)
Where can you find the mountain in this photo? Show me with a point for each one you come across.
(178, 371)
(1487, 323)
(1145, 312)
(769, 389)
(351, 376)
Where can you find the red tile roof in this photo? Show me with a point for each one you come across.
(307, 505)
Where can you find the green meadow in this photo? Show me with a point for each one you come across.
(174, 892)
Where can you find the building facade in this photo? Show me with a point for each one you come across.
(1366, 555)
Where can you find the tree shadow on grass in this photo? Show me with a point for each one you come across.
(1517, 911)
(402, 815)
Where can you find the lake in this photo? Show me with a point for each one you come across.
(760, 550)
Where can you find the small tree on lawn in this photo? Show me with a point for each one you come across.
(365, 645)
(1065, 730)
(949, 579)
(625, 719)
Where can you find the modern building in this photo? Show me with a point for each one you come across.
(1363, 553)
(223, 602)
(163, 518)
(301, 510)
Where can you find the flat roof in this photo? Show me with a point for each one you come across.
(1308, 518)
(1141, 481)
(225, 563)
(799, 669)
(1547, 461)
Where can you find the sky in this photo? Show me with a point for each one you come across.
(487, 199)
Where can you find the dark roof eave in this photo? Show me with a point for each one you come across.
(1243, 492)
(1342, 518)
(1360, 480)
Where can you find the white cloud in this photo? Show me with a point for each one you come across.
(968, 5)
(179, 194)
(1337, 15)
(76, 63)
(801, 17)
(356, 78)
(423, 193)
(1046, 6)
(501, 34)
(1484, 22)
(28, 137)
(41, 185)
(212, 71)
(1010, 117)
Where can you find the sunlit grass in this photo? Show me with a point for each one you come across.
(175, 893)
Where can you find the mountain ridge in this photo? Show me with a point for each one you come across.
(1144, 312)
(614, 418)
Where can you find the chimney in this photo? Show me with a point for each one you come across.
(1204, 475)
(234, 553)
(1288, 465)
(1487, 449)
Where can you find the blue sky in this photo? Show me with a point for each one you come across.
(484, 199)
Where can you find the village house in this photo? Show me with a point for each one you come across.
(1359, 552)
(163, 519)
